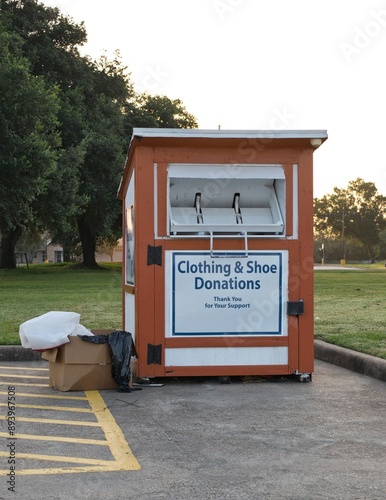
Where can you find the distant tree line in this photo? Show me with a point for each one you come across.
(65, 123)
(350, 223)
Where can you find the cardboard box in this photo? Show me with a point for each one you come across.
(80, 365)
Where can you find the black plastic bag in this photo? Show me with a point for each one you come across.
(121, 349)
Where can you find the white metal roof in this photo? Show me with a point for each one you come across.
(177, 133)
(230, 134)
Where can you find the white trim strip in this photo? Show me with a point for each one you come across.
(227, 356)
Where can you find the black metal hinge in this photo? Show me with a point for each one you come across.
(295, 308)
(154, 354)
(154, 255)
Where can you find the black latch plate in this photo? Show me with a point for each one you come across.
(154, 354)
(154, 255)
(295, 308)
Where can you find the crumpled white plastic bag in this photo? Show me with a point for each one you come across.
(50, 330)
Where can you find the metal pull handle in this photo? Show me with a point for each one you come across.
(236, 206)
(197, 206)
(229, 255)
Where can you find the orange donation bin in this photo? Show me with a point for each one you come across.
(218, 251)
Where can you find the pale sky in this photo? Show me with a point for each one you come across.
(260, 64)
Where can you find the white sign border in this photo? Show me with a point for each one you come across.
(170, 295)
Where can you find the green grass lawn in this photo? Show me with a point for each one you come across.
(349, 305)
(27, 293)
(350, 309)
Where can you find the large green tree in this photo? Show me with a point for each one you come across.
(98, 109)
(29, 142)
(356, 213)
(49, 42)
(92, 95)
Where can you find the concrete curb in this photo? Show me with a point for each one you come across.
(346, 358)
(352, 360)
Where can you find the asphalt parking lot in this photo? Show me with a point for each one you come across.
(194, 439)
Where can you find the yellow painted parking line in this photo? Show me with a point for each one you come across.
(118, 444)
(24, 376)
(59, 458)
(55, 422)
(24, 384)
(34, 437)
(47, 396)
(58, 408)
(68, 470)
(122, 458)
(24, 369)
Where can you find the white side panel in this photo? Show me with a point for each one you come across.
(129, 199)
(227, 356)
(130, 314)
(129, 236)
